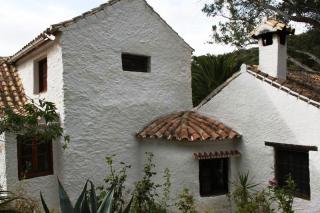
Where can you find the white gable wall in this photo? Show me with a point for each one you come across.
(262, 113)
(104, 106)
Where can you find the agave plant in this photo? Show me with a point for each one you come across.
(86, 203)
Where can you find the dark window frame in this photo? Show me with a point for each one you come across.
(204, 184)
(42, 75)
(295, 154)
(35, 145)
(135, 62)
(267, 39)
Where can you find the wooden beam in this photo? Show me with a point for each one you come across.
(291, 146)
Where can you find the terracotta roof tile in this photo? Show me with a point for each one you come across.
(11, 88)
(189, 126)
(301, 83)
(271, 25)
(216, 154)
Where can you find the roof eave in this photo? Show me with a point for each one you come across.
(44, 37)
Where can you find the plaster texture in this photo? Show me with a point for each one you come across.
(3, 178)
(105, 106)
(261, 112)
(184, 168)
(272, 58)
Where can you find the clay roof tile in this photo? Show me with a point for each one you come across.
(187, 126)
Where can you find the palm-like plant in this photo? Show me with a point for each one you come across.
(86, 203)
(208, 72)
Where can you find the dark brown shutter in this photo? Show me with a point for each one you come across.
(213, 176)
(294, 164)
(43, 75)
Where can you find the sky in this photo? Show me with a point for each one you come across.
(22, 20)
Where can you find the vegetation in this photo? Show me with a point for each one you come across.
(146, 196)
(209, 71)
(146, 193)
(17, 202)
(37, 120)
(240, 17)
(86, 203)
(248, 199)
(186, 203)
(115, 179)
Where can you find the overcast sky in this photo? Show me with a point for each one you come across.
(23, 20)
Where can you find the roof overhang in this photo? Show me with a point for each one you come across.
(188, 126)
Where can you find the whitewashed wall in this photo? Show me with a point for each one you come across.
(184, 168)
(273, 58)
(25, 67)
(104, 106)
(3, 177)
(262, 113)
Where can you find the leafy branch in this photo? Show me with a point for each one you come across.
(40, 121)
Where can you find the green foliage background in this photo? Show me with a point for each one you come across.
(210, 71)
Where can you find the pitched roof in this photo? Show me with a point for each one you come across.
(188, 126)
(302, 84)
(271, 25)
(11, 90)
(53, 29)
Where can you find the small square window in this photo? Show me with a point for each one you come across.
(34, 158)
(293, 163)
(135, 63)
(40, 76)
(267, 39)
(213, 176)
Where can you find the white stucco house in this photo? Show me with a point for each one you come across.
(116, 68)
(109, 71)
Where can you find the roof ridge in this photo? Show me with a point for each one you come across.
(283, 86)
(43, 36)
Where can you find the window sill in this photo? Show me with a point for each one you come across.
(35, 175)
(215, 194)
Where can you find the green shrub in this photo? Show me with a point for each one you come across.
(86, 203)
(116, 180)
(146, 191)
(271, 199)
(185, 202)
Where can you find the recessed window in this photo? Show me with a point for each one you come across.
(135, 63)
(293, 163)
(34, 158)
(41, 75)
(267, 39)
(213, 176)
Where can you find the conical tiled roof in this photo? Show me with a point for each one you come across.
(187, 125)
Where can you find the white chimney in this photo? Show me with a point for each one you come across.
(272, 41)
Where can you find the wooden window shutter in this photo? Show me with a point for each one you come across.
(43, 75)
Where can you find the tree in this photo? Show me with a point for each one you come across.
(239, 17)
(208, 72)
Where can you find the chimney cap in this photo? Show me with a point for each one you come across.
(271, 25)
